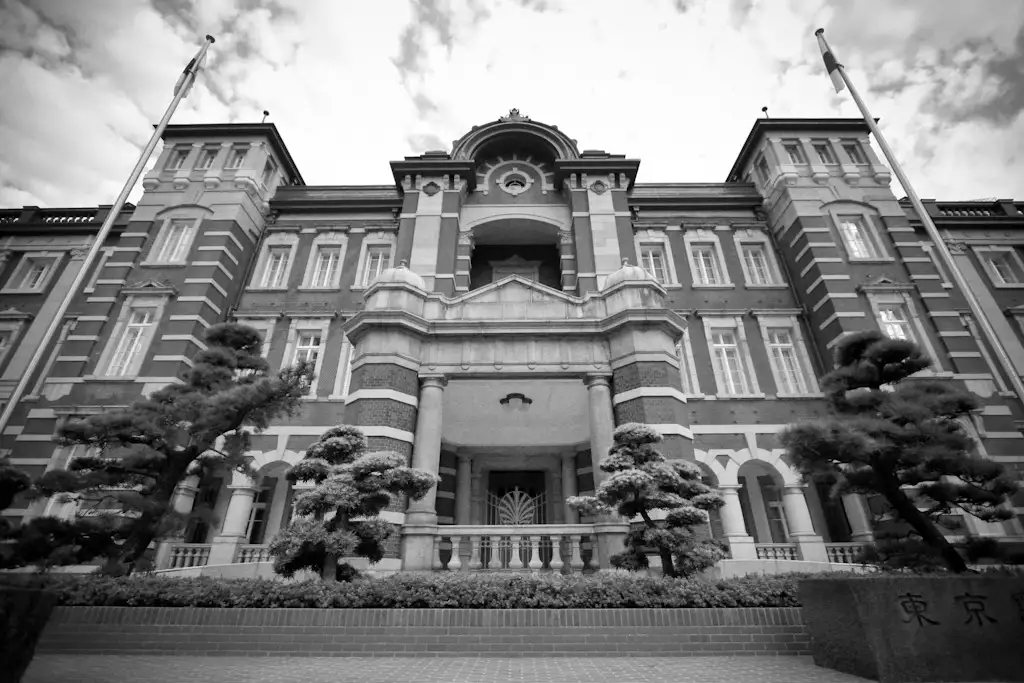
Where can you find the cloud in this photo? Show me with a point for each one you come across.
(678, 90)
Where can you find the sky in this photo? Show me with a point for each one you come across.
(354, 85)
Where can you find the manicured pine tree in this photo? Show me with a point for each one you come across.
(139, 455)
(339, 515)
(900, 439)
(640, 480)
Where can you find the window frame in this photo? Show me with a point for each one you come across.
(858, 150)
(265, 326)
(275, 240)
(818, 145)
(688, 367)
(808, 379)
(877, 298)
(131, 302)
(763, 171)
(746, 238)
(236, 149)
(19, 274)
(791, 146)
(298, 327)
(373, 238)
(733, 323)
(700, 237)
(328, 240)
(871, 233)
(177, 152)
(213, 150)
(270, 169)
(989, 268)
(162, 236)
(657, 238)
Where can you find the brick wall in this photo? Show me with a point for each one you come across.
(340, 632)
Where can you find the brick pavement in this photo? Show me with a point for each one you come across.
(188, 669)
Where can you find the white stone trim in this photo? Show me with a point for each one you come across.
(265, 326)
(197, 299)
(332, 239)
(296, 327)
(688, 367)
(132, 301)
(807, 377)
(389, 394)
(746, 237)
(388, 432)
(734, 323)
(653, 237)
(376, 238)
(207, 281)
(13, 284)
(704, 236)
(272, 240)
(343, 378)
(986, 264)
(641, 392)
(672, 430)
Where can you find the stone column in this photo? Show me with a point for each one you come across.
(463, 490)
(476, 487)
(801, 529)
(610, 530)
(741, 545)
(184, 499)
(859, 517)
(421, 516)
(569, 486)
(236, 519)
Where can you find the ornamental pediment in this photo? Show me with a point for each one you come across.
(514, 298)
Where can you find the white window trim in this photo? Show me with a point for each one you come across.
(808, 379)
(161, 236)
(748, 237)
(13, 329)
(920, 332)
(980, 252)
(175, 151)
(276, 239)
(131, 302)
(265, 326)
(344, 376)
(374, 238)
(940, 267)
(801, 152)
(13, 284)
(688, 367)
(296, 327)
(331, 240)
(871, 229)
(231, 153)
(734, 323)
(703, 236)
(658, 238)
(831, 149)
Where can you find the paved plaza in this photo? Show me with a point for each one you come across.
(187, 669)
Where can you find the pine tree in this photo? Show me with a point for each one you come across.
(640, 481)
(900, 439)
(137, 456)
(355, 486)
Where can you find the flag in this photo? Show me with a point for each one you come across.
(191, 72)
(831, 65)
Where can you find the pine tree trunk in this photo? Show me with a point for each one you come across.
(929, 533)
(667, 565)
(329, 572)
(143, 529)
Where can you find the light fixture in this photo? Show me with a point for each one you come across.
(515, 402)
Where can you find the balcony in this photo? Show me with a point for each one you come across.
(844, 553)
(777, 551)
(530, 548)
(187, 555)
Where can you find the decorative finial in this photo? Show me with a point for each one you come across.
(625, 262)
(514, 115)
(265, 115)
(765, 110)
(403, 264)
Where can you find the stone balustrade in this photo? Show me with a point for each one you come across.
(557, 548)
(184, 555)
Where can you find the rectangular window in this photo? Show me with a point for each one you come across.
(269, 169)
(794, 152)
(855, 237)
(307, 350)
(236, 157)
(325, 268)
(274, 270)
(725, 354)
(785, 362)
(378, 259)
(206, 157)
(652, 259)
(172, 245)
(707, 270)
(853, 151)
(894, 322)
(177, 158)
(140, 322)
(824, 152)
(6, 341)
(762, 170)
(755, 258)
(34, 273)
(1004, 267)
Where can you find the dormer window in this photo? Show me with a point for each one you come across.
(269, 169)
(236, 158)
(177, 158)
(206, 158)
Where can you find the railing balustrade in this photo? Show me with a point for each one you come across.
(844, 553)
(252, 553)
(777, 551)
(184, 555)
(557, 548)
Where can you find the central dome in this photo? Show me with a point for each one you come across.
(515, 131)
(627, 273)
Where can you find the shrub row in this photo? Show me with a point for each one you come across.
(431, 591)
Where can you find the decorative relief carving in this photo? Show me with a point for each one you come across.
(598, 187)
(514, 115)
(956, 247)
(79, 254)
(565, 237)
(431, 188)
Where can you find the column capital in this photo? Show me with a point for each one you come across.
(464, 457)
(568, 455)
(593, 380)
(433, 380)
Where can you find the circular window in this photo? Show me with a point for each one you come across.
(514, 181)
(515, 184)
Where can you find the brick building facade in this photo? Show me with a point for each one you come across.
(498, 309)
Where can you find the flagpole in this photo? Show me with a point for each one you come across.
(933, 233)
(180, 91)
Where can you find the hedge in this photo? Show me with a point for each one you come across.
(611, 590)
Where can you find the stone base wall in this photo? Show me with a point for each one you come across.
(425, 632)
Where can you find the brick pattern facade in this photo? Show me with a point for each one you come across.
(449, 632)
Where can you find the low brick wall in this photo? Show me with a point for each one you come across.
(420, 632)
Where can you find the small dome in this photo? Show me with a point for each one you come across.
(403, 275)
(627, 273)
